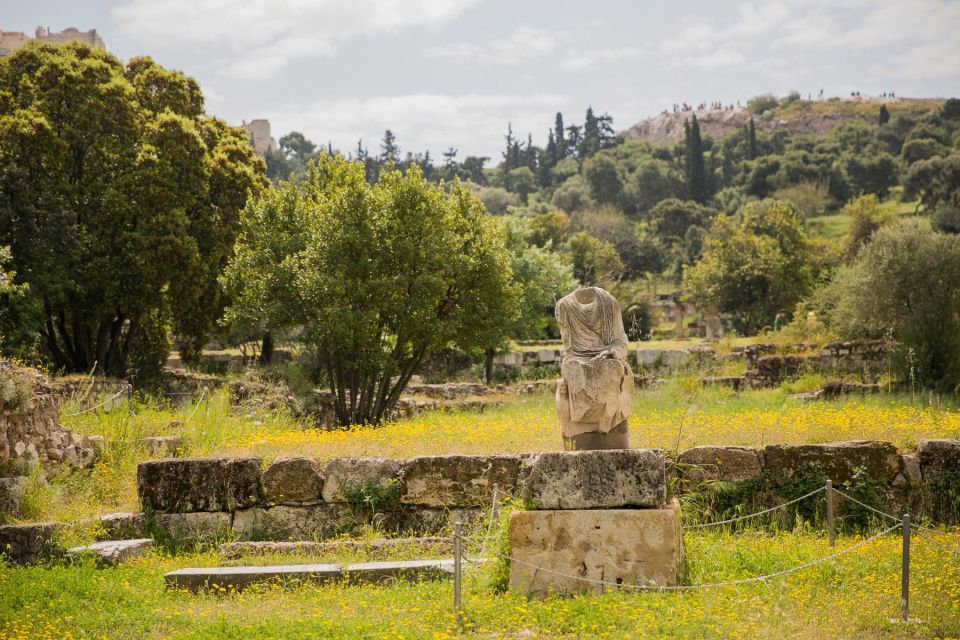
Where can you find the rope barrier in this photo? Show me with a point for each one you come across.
(196, 408)
(105, 402)
(754, 515)
(711, 585)
(866, 506)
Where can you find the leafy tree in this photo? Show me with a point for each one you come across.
(946, 218)
(520, 181)
(874, 173)
(905, 284)
(472, 166)
(603, 177)
(597, 134)
(752, 140)
(935, 181)
(573, 195)
(559, 135)
(919, 149)
(296, 145)
(670, 219)
(367, 271)
(497, 200)
(548, 229)
(866, 218)
(950, 109)
(755, 268)
(593, 259)
(120, 200)
(696, 172)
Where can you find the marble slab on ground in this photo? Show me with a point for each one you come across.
(196, 579)
(113, 552)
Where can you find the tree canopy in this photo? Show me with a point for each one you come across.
(120, 201)
(378, 276)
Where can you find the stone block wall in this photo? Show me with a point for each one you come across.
(301, 498)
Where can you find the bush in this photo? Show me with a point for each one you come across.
(905, 284)
(497, 200)
(759, 104)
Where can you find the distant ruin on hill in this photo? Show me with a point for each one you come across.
(10, 41)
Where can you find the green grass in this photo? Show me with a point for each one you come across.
(854, 596)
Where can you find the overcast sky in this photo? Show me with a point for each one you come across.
(454, 72)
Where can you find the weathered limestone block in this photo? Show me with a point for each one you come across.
(837, 460)
(344, 477)
(293, 481)
(547, 356)
(458, 480)
(732, 464)
(619, 546)
(123, 525)
(11, 493)
(665, 358)
(939, 459)
(288, 522)
(29, 543)
(608, 479)
(199, 526)
(911, 476)
(113, 552)
(198, 484)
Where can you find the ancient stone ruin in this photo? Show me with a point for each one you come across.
(30, 433)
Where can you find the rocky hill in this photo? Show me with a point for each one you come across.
(802, 116)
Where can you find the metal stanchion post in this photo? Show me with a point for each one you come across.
(457, 564)
(830, 527)
(905, 571)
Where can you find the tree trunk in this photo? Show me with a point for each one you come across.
(266, 349)
(488, 365)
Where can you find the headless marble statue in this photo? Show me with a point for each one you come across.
(595, 392)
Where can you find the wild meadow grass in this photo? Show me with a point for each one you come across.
(853, 597)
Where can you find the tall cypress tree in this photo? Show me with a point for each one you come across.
(559, 136)
(884, 115)
(695, 165)
(753, 140)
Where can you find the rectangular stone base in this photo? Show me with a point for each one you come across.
(617, 546)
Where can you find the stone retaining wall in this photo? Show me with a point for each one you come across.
(29, 425)
(302, 498)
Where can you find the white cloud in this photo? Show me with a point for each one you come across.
(523, 43)
(475, 123)
(583, 59)
(262, 36)
(916, 38)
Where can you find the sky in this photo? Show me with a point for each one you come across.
(454, 73)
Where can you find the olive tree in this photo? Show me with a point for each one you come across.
(904, 285)
(120, 200)
(753, 268)
(378, 276)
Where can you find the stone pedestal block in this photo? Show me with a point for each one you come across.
(561, 551)
(596, 479)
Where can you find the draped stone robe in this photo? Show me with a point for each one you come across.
(595, 393)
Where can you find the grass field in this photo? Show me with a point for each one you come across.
(854, 596)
